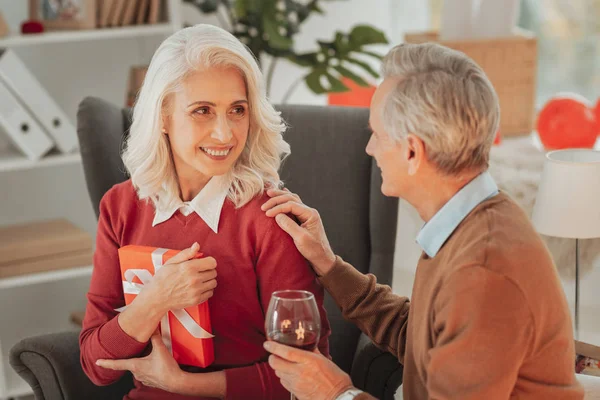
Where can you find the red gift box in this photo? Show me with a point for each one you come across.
(187, 332)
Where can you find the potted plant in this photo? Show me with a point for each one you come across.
(268, 27)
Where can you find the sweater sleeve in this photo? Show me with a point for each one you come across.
(101, 335)
(484, 328)
(279, 266)
(380, 314)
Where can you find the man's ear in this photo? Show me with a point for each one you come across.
(415, 149)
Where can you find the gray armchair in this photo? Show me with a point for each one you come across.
(328, 168)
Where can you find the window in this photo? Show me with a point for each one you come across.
(568, 33)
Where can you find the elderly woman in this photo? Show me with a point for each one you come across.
(488, 318)
(204, 145)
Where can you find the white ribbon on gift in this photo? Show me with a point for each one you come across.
(182, 316)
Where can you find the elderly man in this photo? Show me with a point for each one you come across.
(488, 317)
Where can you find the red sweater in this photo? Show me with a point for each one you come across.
(254, 259)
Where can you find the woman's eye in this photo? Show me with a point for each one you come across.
(238, 110)
(202, 111)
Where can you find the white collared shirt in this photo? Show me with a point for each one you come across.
(207, 204)
(438, 229)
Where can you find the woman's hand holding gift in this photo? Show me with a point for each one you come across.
(184, 281)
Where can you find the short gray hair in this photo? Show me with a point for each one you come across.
(444, 98)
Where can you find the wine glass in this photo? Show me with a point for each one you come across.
(293, 320)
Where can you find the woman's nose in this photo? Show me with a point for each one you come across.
(222, 131)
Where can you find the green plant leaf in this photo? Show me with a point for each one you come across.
(327, 48)
(345, 72)
(256, 5)
(206, 6)
(313, 81)
(314, 6)
(304, 60)
(209, 6)
(276, 40)
(363, 65)
(341, 43)
(303, 13)
(362, 35)
(240, 7)
(372, 54)
(336, 86)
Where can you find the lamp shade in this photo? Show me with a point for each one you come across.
(568, 199)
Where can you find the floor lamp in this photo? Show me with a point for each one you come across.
(568, 201)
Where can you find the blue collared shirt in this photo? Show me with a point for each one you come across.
(438, 229)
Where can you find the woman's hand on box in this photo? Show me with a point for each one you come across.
(183, 281)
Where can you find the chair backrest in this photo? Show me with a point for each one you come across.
(328, 168)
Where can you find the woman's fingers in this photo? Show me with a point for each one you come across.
(185, 254)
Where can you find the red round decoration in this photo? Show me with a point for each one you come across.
(567, 122)
(32, 27)
(597, 112)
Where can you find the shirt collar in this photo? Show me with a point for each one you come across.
(438, 229)
(207, 204)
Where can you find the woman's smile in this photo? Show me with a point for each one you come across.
(216, 153)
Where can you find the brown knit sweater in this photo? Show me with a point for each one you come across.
(488, 317)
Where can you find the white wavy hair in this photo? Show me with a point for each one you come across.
(147, 154)
(444, 98)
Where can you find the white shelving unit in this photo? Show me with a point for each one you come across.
(12, 161)
(71, 65)
(42, 277)
(89, 35)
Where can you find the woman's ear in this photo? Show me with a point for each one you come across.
(166, 124)
(415, 147)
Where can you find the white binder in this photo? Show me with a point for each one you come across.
(20, 127)
(15, 75)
